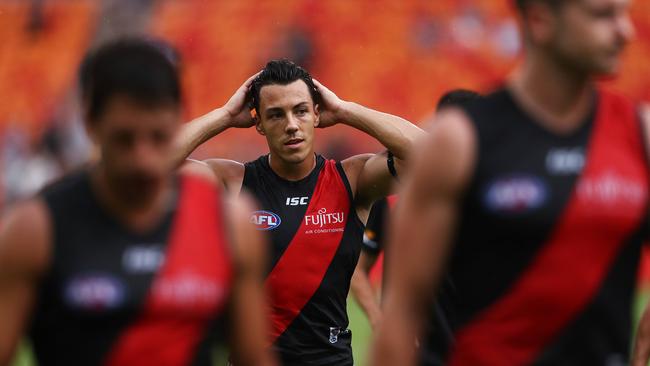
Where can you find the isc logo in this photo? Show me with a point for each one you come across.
(265, 220)
(297, 201)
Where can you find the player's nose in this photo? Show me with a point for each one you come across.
(292, 124)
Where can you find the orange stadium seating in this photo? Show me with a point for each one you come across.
(363, 50)
(36, 69)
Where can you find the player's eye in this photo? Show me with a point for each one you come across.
(160, 137)
(603, 12)
(123, 139)
(302, 111)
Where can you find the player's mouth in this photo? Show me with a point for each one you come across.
(293, 143)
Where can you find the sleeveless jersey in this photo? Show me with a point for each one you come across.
(114, 297)
(545, 257)
(315, 235)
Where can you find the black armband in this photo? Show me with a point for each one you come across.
(390, 161)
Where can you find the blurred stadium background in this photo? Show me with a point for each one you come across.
(397, 56)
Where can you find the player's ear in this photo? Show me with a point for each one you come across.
(258, 125)
(317, 114)
(541, 22)
(90, 125)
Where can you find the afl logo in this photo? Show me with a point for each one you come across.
(95, 292)
(515, 194)
(265, 220)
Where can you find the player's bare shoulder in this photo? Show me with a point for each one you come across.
(448, 153)
(25, 232)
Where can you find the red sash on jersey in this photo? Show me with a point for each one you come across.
(190, 289)
(607, 205)
(300, 270)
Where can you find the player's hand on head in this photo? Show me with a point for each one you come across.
(329, 107)
(239, 105)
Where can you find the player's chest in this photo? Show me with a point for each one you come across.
(523, 187)
(111, 277)
(293, 214)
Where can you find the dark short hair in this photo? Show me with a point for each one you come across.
(456, 97)
(140, 69)
(281, 72)
(522, 4)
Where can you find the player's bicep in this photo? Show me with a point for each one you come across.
(200, 169)
(24, 234)
(424, 219)
(369, 177)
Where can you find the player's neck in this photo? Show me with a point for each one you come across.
(559, 97)
(292, 171)
(142, 216)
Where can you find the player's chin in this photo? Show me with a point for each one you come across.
(607, 66)
(295, 156)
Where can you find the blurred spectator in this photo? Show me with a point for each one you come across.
(36, 20)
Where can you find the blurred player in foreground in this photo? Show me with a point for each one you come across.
(538, 196)
(374, 243)
(375, 233)
(311, 206)
(127, 262)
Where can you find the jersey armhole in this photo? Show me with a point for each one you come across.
(348, 188)
(248, 176)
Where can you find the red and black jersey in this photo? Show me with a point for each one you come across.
(115, 297)
(316, 237)
(546, 253)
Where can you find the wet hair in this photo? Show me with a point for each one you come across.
(281, 72)
(140, 69)
(457, 97)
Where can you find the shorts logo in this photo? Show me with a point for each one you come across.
(95, 292)
(515, 194)
(265, 220)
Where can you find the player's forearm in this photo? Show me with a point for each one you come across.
(198, 131)
(396, 339)
(395, 133)
(365, 296)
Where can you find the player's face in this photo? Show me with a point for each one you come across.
(136, 146)
(590, 34)
(287, 118)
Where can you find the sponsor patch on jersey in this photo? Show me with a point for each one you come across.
(612, 190)
(565, 161)
(95, 292)
(515, 194)
(325, 222)
(143, 258)
(188, 290)
(265, 220)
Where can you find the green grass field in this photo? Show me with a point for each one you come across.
(361, 334)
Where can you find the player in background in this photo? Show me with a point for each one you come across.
(313, 208)
(535, 200)
(127, 262)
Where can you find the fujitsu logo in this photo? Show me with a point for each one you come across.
(323, 218)
(611, 188)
